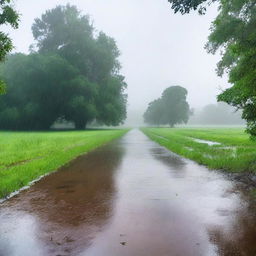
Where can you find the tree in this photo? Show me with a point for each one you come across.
(111, 101)
(233, 32)
(41, 89)
(172, 108)
(154, 112)
(8, 16)
(185, 6)
(72, 74)
(65, 32)
(177, 109)
(80, 107)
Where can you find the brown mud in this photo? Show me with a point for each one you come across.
(131, 197)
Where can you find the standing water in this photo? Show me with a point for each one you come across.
(131, 197)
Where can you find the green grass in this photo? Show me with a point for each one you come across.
(236, 152)
(25, 156)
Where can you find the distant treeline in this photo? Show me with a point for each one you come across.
(217, 114)
(172, 108)
(71, 74)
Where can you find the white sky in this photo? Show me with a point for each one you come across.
(159, 49)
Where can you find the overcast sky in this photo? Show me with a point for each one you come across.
(158, 48)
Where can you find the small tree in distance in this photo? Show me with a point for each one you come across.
(171, 109)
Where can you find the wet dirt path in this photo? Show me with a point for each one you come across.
(131, 197)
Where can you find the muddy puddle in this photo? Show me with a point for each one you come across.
(131, 197)
(208, 142)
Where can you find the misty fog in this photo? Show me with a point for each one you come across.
(158, 48)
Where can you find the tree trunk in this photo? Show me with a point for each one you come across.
(80, 124)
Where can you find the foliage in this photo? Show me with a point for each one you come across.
(40, 89)
(172, 108)
(26, 156)
(8, 16)
(234, 32)
(72, 74)
(153, 114)
(2, 87)
(111, 101)
(64, 31)
(185, 6)
(235, 153)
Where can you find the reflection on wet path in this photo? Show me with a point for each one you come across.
(62, 213)
(131, 197)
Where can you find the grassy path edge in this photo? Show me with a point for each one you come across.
(218, 157)
(241, 168)
(20, 177)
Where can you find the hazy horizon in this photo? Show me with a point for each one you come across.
(158, 49)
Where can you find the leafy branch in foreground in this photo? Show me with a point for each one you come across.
(233, 32)
(8, 16)
(185, 6)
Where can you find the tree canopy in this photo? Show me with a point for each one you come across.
(233, 32)
(185, 6)
(66, 32)
(72, 74)
(172, 108)
(8, 16)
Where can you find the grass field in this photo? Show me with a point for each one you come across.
(235, 151)
(26, 156)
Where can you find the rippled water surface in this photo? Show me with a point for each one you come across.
(131, 197)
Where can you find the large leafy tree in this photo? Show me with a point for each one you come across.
(72, 73)
(66, 32)
(8, 16)
(233, 32)
(172, 108)
(80, 108)
(176, 107)
(41, 89)
(111, 101)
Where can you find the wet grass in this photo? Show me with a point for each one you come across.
(25, 156)
(234, 153)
